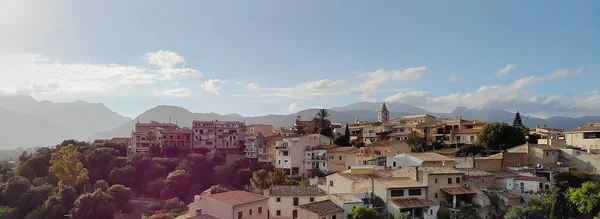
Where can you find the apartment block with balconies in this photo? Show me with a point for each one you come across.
(290, 152)
(146, 135)
(220, 137)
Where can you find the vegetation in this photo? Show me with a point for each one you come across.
(471, 150)
(586, 198)
(66, 164)
(322, 123)
(363, 213)
(467, 212)
(417, 144)
(444, 213)
(500, 136)
(403, 215)
(575, 179)
(517, 122)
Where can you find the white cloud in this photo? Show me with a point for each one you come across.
(306, 90)
(175, 93)
(169, 63)
(239, 83)
(33, 74)
(456, 77)
(507, 69)
(293, 108)
(514, 96)
(213, 86)
(380, 77)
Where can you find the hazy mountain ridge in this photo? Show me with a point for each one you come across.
(19, 130)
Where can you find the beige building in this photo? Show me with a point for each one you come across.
(290, 152)
(381, 149)
(402, 127)
(403, 194)
(353, 181)
(267, 154)
(284, 200)
(341, 158)
(320, 210)
(433, 159)
(584, 137)
(233, 204)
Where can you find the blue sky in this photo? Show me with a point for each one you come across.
(263, 57)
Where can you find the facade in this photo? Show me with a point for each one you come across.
(353, 181)
(319, 210)
(381, 150)
(290, 152)
(146, 135)
(232, 204)
(253, 144)
(584, 137)
(341, 158)
(220, 137)
(315, 160)
(402, 160)
(284, 132)
(433, 159)
(267, 154)
(346, 201)
(256, 129)
(384, 115)
(285, 200)
(403, 194)
(531, 184)
(404, 126)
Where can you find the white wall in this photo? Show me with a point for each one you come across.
(287, 204)
(528, 185)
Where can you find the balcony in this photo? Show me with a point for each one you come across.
(283, 146)
(317, 158)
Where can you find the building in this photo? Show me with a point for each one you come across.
(284, 200)
(286, 132)
(548, 133)
(220, 137)
(584, 137)
(384, 115)
(290, 152)
(232, 204)
(404, 126)
(320, 210)
(402, 160)
(256, 129)
(146, 135)
(356, 181)
(433, 159)
(267, 154)
(341, 158)
(315, 160)
(345, 200)
(532, 184)
(381, 150)
(253, 144)
(403, 194)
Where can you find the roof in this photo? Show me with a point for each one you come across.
(383, 173)
(495, 156)
(342, 150)
(407, 203)
(463, 162)
(354, 177)
(293, 190)
(323, 147)
(531, 178)
(431, 157)
(383, 107)
(322, 208)
(545, 147)
(585, 129)
(476, 172)
(504, 174)
(440, 170)
(347, 198)
(468, 131)
(399, 182)
(458, 191)
(509, 195)
(237, 197)
(203, 216)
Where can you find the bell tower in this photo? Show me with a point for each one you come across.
(384, 115)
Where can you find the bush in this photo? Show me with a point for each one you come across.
(127, 209)
(443, 213)
(101, 184)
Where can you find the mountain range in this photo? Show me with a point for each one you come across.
(27, 122)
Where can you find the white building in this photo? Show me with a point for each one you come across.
(402, 160)
(252, 145)
(290, 153)
(284, 200)
(345, 200)
(315, 160)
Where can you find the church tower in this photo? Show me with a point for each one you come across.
(384, 115)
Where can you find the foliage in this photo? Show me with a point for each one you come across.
(443, 213)
(121, 194)
(471, 149)
(57, 205)
(533, 138)
(529, 212)
(218, 160)
(176, 185)
(96, 205)
(361, 212)
(216, 189)
(34, 198)
(154, 187)
(96, 159)
(260, 180)
(67, 166)
(277, 177)
(34, 167)
(417, 144)
(438, 145)
(13, 191)
(517, 122)
(575, 178)
(559, 203)
(304, 182)
(8, 212)
(500, 136)
(467, 212)
(378, 202)
(243, 177)
(124, 175)
(101, 184)
(347, 136)
(586, 198)
(199, 167)
(322, 123)
(403, 215)
(155, 151)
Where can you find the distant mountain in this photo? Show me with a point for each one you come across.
(20, 130)
(392, 107)
(78, 119)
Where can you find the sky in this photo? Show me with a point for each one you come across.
(278, 57)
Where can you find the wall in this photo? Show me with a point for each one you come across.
(223, 210)
(449, 163)
(343, 185)
(512, 159)
(528, 185)
(304, 214)
(286, 205)
(482, 181)
(442, 182)
(490, 165)
(576, 139)
(254, 206)
(505, 183)
(581, 161)
(553, 142)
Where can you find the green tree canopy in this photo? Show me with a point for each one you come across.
(260, 180)
(322, 122)
(96, 205)
(101, 184)
(66, 165)
(586, 198)
(363, 213)
(121, 194)
(517, 122)
(500, 136)
(467, 212)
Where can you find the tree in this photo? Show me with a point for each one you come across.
(58, 205)
(361, 212)
(155, 151)
(96, 205)
(586, 198)
(216, 189)
(340, 141)
(347, 135)
(34, 167)
(403, 215)
(14, 190)
(33, 198)
(575, 178)
(124, 176)
(277, 177)
(199, 167)
(533, 138)
(176, 185)
(96, 161)
(500, 136)
(471, 149)
(8, 212)
(260, 180)
(155, 171)
(443, 213)
(467, 212)
(121, 194)
(529, 212)
(243, 177)
(154, 187)
(101, 184)
(67, 166)
(438, 145)
(517, 123)
(416, 143)
(322, 123)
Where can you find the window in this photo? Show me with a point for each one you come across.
(449, 180)
(435, 180)
(278, 199)
(331, 183)
(250, 211)
(340, 157)
(430, 211)
(394, 163)
(295, 214)
(278, 213)
(295, 201)
(436, 195)
(198, 212)
(397, 192)
(333, 217)
(312, 199)
(285, 153)
(414, 192)
(546, 154)
(457, 179)
(240, 214)
(259, 210)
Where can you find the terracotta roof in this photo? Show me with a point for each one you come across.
(440, 170)
(354, 177)
(237, 197)
(343, 150)
(292, 190)
(430, 157)
(504, 174)
(458, 191)
(468, 131)
(323, 147)
(322, 208)
(347, 198)
(585, 129)
(407, 203)
(399, 182)
(531, 178)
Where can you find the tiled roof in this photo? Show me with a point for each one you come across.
(399, 182)
(354, 177)
(463, 163)
(204, 216)
(504, 174)
(440, 170)
(468, 131)
(495, 156)
(343, 150)
(292, 190)
(347, 198)
(458, 191)
(407, 203)
(431, 157)
(476, 172)
(585, 129)
(531, 178)
(237, 197)
(322, 208)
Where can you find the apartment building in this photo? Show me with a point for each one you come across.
(315, 160)
(284, 200)
(548, 133)
(254, 143)
(341, 158)
(267, 154)
(220, 137)
(402, 127)
(585, 137)
(290, 152)
(286, 132)
(403, 194)
(322, 209)
(381, 150)
(232, 204)
(146, 135)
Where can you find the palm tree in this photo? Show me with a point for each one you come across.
(323, 124)
(260, 180)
